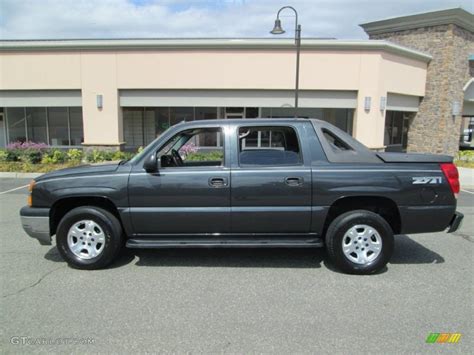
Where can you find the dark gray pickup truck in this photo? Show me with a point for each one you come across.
(246, 183)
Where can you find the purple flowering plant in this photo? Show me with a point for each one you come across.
(187, 149)
(27, 145)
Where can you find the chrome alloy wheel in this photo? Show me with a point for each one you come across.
(86, 239)
(361, 244)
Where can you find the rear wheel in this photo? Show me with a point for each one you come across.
(89, 237)
(359, 242)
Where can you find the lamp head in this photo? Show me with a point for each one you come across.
(277, 30)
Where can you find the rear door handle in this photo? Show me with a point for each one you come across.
(294, 181)
(218, 182)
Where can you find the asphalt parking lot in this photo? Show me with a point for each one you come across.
(234, 301)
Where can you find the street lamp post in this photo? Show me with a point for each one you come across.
(278, 30)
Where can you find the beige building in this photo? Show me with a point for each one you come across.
(123, 93)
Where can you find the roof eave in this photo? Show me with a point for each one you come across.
(457, 16)
(213, 44)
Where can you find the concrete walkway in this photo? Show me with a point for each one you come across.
(466, 178)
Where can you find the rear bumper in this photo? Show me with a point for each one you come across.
(35, 222)
(455, 222)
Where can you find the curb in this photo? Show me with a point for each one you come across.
(19, 175)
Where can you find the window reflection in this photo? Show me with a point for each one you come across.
(57, 126)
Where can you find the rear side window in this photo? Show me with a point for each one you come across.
(269, 146)
(337, 144)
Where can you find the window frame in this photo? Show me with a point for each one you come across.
(298, 138)
(223, 147)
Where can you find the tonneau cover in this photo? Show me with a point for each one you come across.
(414, 158)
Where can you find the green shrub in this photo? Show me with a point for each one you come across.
(30, 155)
(12, 155)
(465, 155)
(3, 155)
(118, 155)
(74, 155)
(54, 156)
(204, 156)
(95, 156)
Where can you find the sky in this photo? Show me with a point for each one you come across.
(59, 19)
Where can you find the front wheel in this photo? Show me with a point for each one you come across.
(89, 237)
(359, 242)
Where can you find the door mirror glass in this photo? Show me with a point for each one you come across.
(151, 164)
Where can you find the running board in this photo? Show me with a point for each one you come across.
(224, 243)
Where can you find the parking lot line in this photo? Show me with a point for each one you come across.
(469, 192)
(11, 190)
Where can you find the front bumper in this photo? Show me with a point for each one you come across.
(35, 222)
(455, 222)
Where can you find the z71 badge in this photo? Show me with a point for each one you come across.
(427, 180)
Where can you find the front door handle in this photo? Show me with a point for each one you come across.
(218, 182)
(294, 181)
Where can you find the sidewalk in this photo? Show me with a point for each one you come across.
(19, 175)
(466, 178)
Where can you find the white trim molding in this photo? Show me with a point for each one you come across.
(399, 102)
(209, 43)
(244, 98)
(40, 98)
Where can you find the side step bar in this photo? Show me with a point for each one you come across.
(228, 243)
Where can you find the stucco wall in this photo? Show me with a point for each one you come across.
(372, 73)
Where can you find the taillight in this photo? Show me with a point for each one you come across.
(451, 173)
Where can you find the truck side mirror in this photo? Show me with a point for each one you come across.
(151, 164)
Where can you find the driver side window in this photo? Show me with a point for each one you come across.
(193, 148)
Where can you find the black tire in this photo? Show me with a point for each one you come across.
(110, 226)
(341, 225)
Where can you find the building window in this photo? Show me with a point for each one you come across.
(179, 114)
(16, 124)
(143, 124)
(3, 132)
(57, 126)
(339, 117)
(75, 125)
(205, 113)
(133, 125)
(36, 121)
(396, 130)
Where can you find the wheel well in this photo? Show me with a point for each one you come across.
(383, 206)
(63, 206)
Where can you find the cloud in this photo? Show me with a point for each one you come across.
(40, 19)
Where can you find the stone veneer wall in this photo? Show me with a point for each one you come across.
(434, 129)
